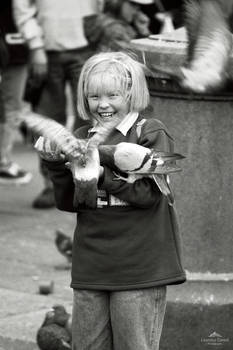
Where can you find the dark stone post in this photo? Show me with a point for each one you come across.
(202, 126)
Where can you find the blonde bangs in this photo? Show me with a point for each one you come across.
(128, 74)
(101, 75)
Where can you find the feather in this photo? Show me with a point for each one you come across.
(48, 128)
(130, 157)
(133, 158)
(192, 14)
(162, 182)
(86, 177)
(135, 162)
(83, 155)
(162, 163)
(86, 156)
(75, 150)
(209, 47)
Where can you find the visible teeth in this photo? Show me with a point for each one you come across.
(105, 115)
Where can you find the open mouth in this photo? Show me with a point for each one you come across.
(106, 115)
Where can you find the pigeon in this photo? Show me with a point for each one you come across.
(135, 162)
(209, 47)
(64, 245)
(55, 331)
(82, 155)
(85, 157)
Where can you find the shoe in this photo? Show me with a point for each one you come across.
(12, 174)
(45, 199)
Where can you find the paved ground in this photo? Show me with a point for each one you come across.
(29, 258)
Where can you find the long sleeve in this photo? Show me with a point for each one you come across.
(24, 12)
(155, 135)
(143, 192)
(63, 185)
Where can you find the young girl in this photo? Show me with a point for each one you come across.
(126, 250)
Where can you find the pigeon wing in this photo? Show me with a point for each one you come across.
(210, 41)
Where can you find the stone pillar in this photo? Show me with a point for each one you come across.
(202, 126)
(203, 132)
(199, 312)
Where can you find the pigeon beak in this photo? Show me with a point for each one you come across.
(51, 311)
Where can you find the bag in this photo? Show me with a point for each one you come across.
(18, 51)
(4, 56)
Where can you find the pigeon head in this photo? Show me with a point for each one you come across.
(61, 316)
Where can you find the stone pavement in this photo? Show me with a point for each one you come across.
(29, 258)
(199, 313)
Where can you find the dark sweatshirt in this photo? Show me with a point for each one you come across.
(131, 240)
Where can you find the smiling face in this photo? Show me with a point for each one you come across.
(106, 97)
(111, 84)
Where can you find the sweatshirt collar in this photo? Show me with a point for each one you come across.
(124, 125)
(127, 122)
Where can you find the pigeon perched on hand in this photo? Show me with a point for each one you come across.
(85, 159)
(55, 332)
(82, 155)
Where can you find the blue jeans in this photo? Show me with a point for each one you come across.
(121, 320)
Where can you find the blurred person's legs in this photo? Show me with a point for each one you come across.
(13, 84)
(63, 67)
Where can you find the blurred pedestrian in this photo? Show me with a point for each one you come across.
(120, 22)
(58, 48)
(14, 75)
(164, 15)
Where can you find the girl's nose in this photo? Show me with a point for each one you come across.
(103, 103)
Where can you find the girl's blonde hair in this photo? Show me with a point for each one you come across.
(125, 69)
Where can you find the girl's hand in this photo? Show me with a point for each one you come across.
(48, 150)
(92, 166)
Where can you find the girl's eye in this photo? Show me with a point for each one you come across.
(115, 94)
(93, 97)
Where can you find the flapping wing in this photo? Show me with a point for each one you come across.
(192, 14)
(162, 163)
(208, 30)
(48, 128)
(209, 47)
